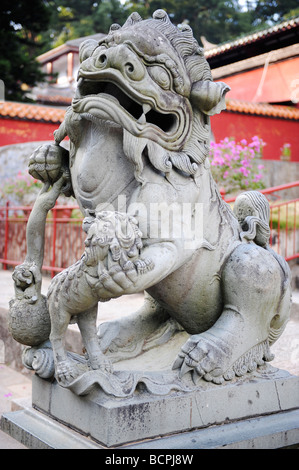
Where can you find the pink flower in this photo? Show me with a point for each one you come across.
(244, 171)
(257, 178)
(220, 161)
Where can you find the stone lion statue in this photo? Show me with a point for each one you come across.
(139, 130)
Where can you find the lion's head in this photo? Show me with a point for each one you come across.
(151, 78)
(112, 231)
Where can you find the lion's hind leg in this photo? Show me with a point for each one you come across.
(125, 337)
(87, 325)
(239, 340)
(65, 369)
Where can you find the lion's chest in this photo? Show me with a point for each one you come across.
(99, 169)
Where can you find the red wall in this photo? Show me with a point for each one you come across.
(14, 132)
(275, 132)
(277, 85)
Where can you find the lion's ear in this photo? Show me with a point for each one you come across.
(209, 96)
(86, 48)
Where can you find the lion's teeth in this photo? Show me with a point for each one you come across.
(146, 108)
(142, 119)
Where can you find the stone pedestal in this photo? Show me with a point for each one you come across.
(260, 411)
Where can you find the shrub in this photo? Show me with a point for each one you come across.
(21, 189)
(236, 166)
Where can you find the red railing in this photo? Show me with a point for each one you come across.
(283, 219)
(64, 237)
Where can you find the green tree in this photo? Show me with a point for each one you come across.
(69, 20)
(107, 13)
(77, 18)
(220, 20)
(21, 24)
(217, 20)
(275, 11)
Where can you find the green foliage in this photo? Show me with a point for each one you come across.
(220, 20)
(29, 28)
(77, 18)
(107, 13)
(21, 25)
(217, 20)
(275, 10)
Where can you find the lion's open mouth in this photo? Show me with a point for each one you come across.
(143, 114)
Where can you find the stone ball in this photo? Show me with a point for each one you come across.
(29, 324)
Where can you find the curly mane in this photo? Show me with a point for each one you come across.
(114, 230)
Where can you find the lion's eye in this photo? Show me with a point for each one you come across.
(160, 76)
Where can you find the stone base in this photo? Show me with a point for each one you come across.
(277, 431)
(268, 396)
(37, 431)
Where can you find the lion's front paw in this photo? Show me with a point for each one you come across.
(204, 358)
(26, 279)
(144, 266)
(100, 362)
(22, 276)
(66, 372)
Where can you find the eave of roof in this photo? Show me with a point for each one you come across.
(255, 62)
(31, 112)
(222, 48)
(54, 100)
(262, 109)
(76, 42)
(56, 53)
(70, 46)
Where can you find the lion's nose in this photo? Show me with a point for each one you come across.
(122, 59)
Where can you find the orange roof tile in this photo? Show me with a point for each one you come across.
(54, 99)
(263, 109)
(31, 112)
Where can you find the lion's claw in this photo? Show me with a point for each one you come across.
(66, 372)
(201, 357)
(22, 276)
(100, 362)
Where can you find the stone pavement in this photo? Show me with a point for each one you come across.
(15, 385)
